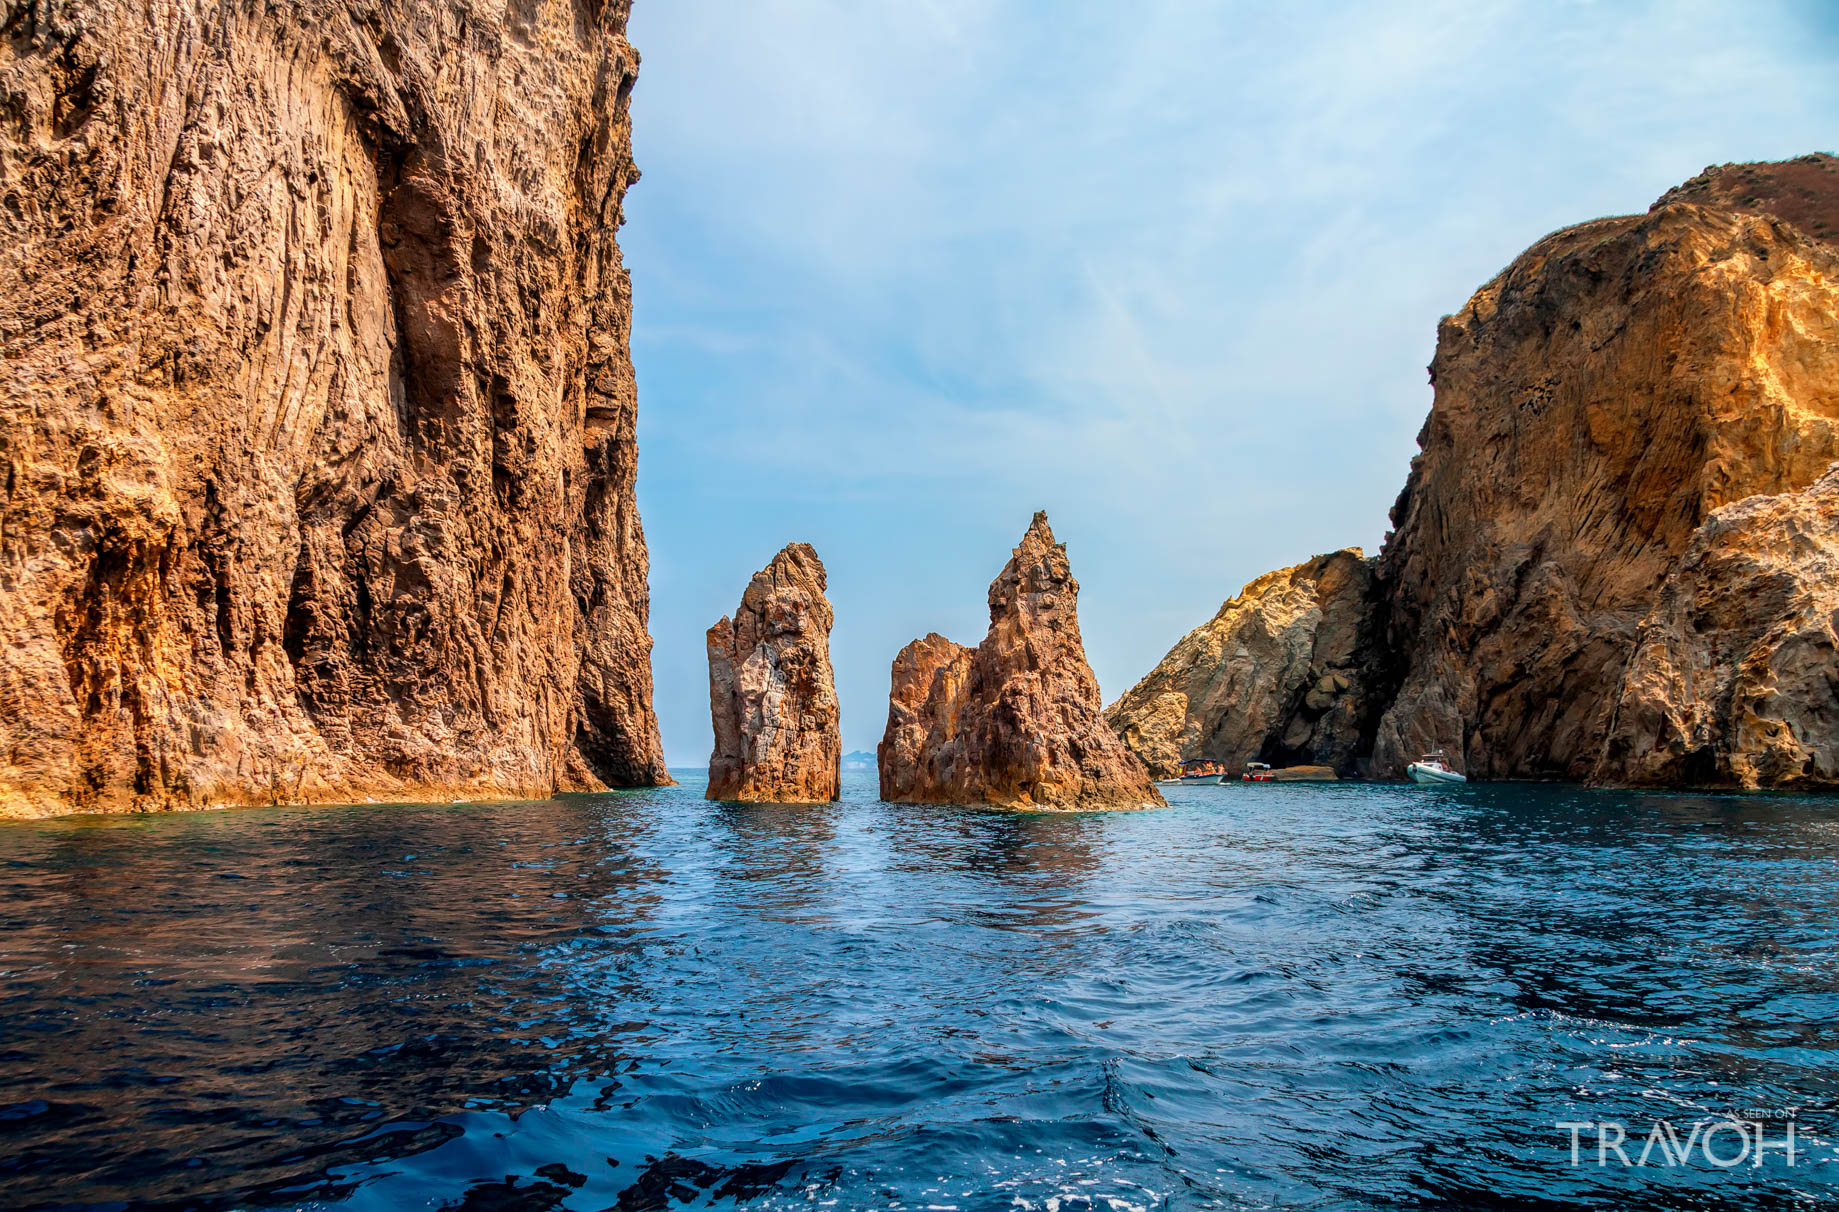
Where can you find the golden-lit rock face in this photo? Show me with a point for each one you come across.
(1275, 676)
(1594, 404)
(317, 407)
(1611, 561)
(1735, 676)
(772, 695)
(1014, 722)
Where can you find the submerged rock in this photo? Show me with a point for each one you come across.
(1275, 676)
(317, 405)
(1014, 722)
(772, 696)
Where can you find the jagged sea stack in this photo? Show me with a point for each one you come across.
(772, 697)
(316, 406)
(1014, 722)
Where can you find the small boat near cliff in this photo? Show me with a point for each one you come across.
(1203, 772)
(1198, 770)
(1432, 768)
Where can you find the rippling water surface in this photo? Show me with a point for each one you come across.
(1270, 996)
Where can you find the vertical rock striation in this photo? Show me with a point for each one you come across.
(1595, 404)
(1276, 676)
(1735, 674)
(317, 412)
(928, 674)
(1613, 559)
(772, 696)
(1014, 722)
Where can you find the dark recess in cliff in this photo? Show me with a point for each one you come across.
(318, 410)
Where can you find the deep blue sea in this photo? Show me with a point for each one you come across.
(1269, 996)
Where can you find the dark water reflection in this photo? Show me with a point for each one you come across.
(1280, 996)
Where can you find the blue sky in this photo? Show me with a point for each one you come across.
(905, 273)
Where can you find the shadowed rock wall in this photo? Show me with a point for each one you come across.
(317, 409)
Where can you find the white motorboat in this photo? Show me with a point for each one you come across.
(1432, 768)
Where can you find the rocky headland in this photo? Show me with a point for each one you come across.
(772, 695)
(317, 408)
(1608, 560)
(1016, 721)
(1276, 676)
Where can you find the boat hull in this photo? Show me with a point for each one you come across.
(1202, 780)
(1420, 773)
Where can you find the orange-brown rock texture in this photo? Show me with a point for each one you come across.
(928, 674)
(1735, 676)
(1016, 721)
(772, 696)
(317, 408)
(1276, 676)
(1595, 404)
(1611, 560)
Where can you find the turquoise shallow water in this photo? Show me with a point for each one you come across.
(1272, 996)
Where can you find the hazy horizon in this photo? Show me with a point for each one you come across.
(904, 275)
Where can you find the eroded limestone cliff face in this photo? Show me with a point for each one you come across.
(1014, 722)
(772, 695)
(1276, 676)
(317, 408)
(1594, 405)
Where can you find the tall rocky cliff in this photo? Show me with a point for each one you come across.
(317, 408)
(1735, 674)
(1608, 562)
(1594, 405)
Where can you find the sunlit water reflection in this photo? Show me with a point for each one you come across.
(1269, 996)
